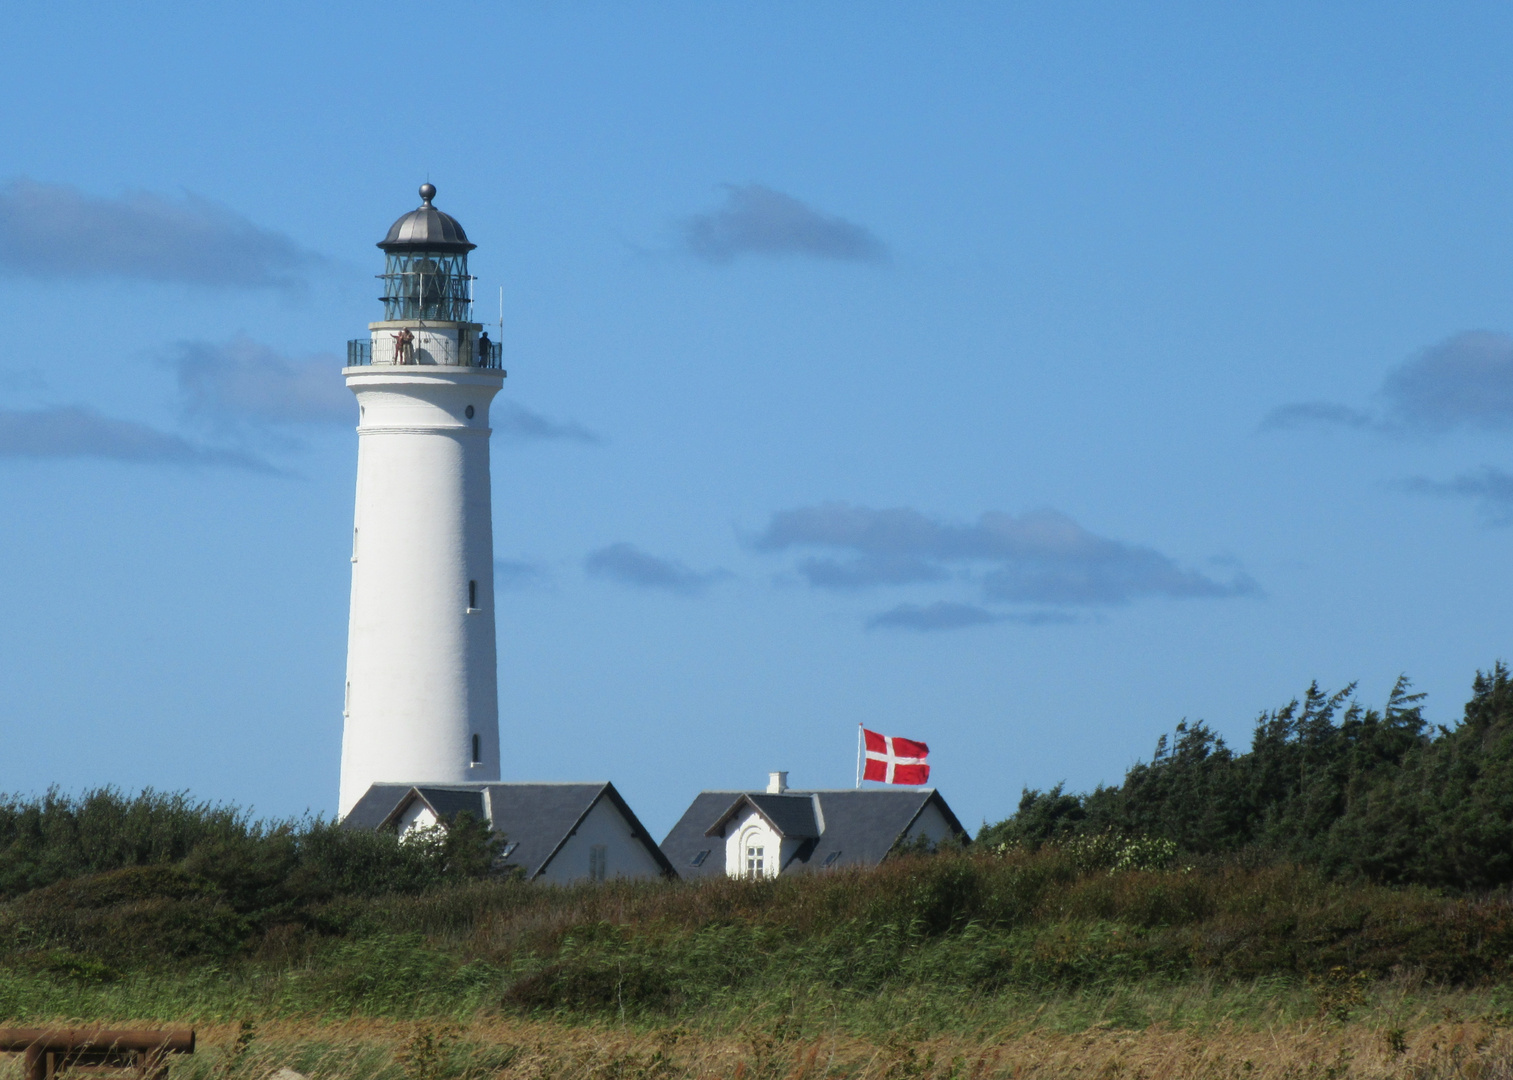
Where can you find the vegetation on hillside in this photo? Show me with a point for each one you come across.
(1348, 850)
(948, 928)
(1377, 795)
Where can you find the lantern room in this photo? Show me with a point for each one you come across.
(426, 270)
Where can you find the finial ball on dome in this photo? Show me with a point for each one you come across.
(427, 191)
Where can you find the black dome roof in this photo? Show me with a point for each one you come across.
(426, 229)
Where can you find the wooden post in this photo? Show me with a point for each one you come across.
(49, 1053)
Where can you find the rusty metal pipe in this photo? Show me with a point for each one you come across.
(53, 1040)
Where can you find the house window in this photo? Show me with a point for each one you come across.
(472, 594)
(698, 859)
(755, 860)
(477, 749)
(598, 862)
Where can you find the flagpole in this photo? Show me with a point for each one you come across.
(858, 755)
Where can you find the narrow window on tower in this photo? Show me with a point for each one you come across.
(477, 750)
(346, 703)
(472, 594)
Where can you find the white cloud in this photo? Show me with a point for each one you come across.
(242, 381)
(1043, 557)
(1491, 487)
(629, 565)
(55, 230)
(76, 431)
(757, 220)
(1465, 381)
(949, 615)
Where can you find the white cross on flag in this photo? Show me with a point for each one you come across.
(894, 760)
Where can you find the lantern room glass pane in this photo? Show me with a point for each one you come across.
(427, 285)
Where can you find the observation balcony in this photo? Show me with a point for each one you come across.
(426, 350)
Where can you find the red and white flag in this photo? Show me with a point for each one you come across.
(894, 760)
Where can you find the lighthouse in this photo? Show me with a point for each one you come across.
(422, 701)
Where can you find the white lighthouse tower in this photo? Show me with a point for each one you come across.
(422, 701)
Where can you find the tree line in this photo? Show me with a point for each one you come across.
(264, 867)
(1379, 795)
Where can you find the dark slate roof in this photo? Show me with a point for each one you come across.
(859, 828)
(790, 815)
(536, 819)
(426, 229)
(541, 818)
(447, 803)
(687, 838)
(374, 808)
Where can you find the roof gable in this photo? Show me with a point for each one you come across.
(535, 819)
(848, 827)
(447, 803)
(515, 802)
(792, 816)
(375, 806)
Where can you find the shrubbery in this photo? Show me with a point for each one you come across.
(1356, 792)
(1344, 845)
(130, 878)
(1064, 916)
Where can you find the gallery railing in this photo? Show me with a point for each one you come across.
(428, 351)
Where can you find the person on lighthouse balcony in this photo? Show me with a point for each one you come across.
(404, 347)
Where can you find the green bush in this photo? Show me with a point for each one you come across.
(1357, 792)
(1343, 846)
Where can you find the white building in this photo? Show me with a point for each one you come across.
(780, 831)
(421, 702)
(420, 739)
(554, 833)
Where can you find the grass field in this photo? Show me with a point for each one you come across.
(956, 966)
(1198, 1030)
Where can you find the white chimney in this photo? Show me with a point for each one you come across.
(777, 783)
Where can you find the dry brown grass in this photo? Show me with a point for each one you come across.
(521, 1049)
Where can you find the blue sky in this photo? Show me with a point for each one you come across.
(1018, 378)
